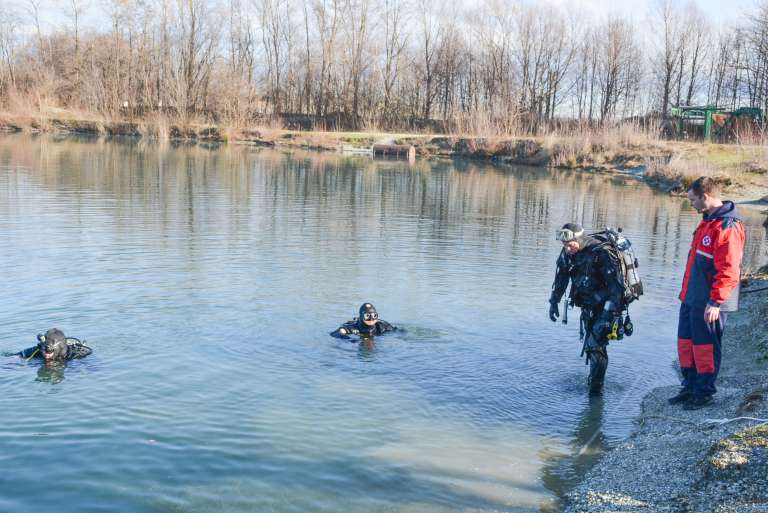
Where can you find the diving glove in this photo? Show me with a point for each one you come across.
(554, 311)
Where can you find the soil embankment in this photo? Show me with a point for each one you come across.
(710, 460)
(665, 165)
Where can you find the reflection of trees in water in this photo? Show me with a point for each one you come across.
(325, 196)
(765, 225)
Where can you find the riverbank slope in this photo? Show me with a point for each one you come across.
(665, 165)
(710, 460)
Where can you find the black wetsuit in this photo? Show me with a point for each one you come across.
(73, 350)
(596, 288)
(357, 327)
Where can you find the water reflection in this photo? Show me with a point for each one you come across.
(563, 471)
(765, 225)
(366, 348)
(442, 195)
(52, 372)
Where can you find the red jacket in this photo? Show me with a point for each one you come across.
(714, 262)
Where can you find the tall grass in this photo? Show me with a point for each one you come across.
(588, 146)
(482, 123)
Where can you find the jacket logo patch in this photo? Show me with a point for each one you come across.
(707, 240)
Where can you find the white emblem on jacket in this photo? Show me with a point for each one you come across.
(707, 240)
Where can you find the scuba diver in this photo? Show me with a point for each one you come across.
(54, 346)
(602, 271)
(366, 325)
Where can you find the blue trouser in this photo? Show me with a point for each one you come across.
(699, 349)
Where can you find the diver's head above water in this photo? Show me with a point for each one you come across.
(53, 345)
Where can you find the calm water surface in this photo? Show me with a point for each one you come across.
(206, 280)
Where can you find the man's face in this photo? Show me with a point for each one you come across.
(571, 247)
(702, 202)
(370, 318)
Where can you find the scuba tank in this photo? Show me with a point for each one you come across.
(632, 283)
(628, 264)
(630, 278)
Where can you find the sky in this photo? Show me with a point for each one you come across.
(719, 11)
(638, 10)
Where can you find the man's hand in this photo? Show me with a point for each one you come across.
(554, 312)
(711, 314)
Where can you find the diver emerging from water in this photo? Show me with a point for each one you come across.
(366, 325)
(54, 346)
(601, 271)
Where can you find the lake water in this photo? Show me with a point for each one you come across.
(207, 279)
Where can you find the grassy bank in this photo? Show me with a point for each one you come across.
(666, 165)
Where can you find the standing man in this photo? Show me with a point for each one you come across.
(710, 289)
(593, 271)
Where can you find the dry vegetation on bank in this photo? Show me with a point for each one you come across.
(667, 165)
(519, 82)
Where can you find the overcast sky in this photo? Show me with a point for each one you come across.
(637, 10)
(719, 11)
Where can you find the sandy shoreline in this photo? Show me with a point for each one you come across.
(710, 460)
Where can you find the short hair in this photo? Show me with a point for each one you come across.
(705, 184)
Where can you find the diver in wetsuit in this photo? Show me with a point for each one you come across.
(596, 287)
(366, 325)
(54, 346)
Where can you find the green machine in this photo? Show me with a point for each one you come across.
(712, 123)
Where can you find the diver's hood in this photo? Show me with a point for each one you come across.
(53, 342)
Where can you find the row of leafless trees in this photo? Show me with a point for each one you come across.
(517, 66)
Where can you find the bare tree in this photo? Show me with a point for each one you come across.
(614, 66)
(519, 66)
(394, 45)
(698, 33)
(668, 53)
(8, 24)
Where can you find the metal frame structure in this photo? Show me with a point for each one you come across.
(712, 120)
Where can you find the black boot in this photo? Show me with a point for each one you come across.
(683, 396)
(598, 363)
(698, 402)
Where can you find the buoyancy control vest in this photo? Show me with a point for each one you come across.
(615, 241)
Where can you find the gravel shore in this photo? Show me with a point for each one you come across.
(710, 460)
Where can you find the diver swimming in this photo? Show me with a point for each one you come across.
(367, 324)
(54, 346)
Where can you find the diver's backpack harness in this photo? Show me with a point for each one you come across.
(621, 247)
(615, 242)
